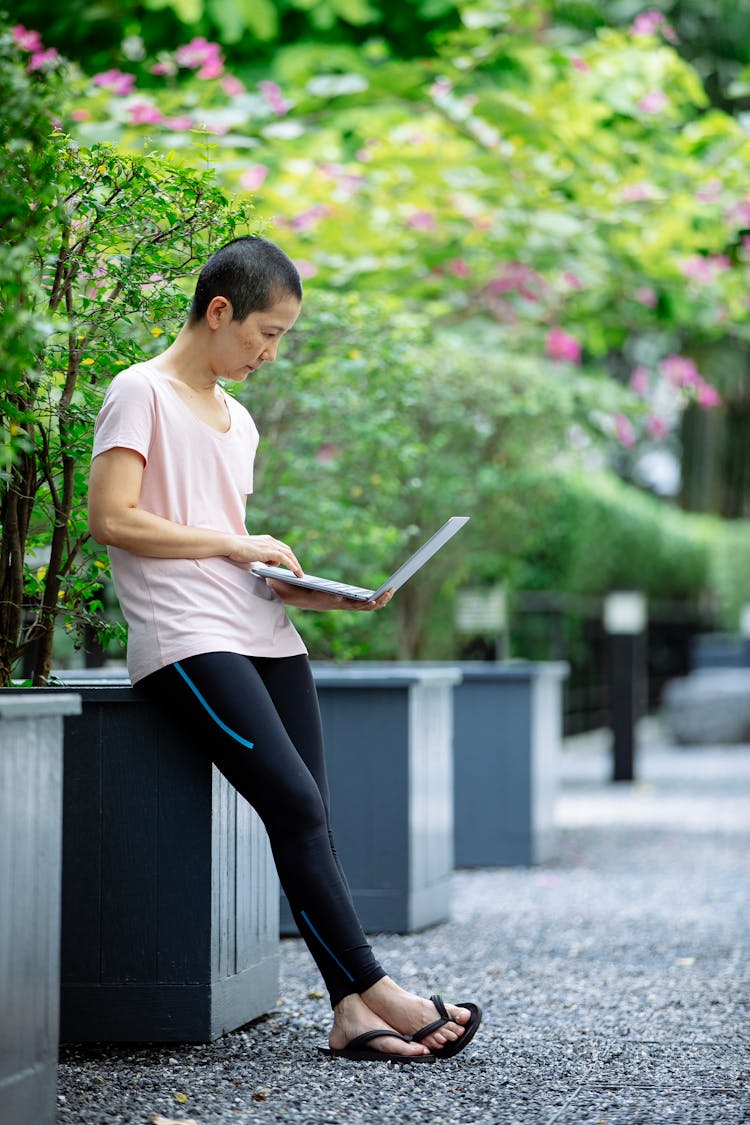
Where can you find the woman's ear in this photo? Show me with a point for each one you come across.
(219, 312)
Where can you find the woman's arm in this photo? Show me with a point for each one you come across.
(116, 520)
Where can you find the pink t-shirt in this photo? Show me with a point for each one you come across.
(198, 477)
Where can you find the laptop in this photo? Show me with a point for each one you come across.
(361, 593)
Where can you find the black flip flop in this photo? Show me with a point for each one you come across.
(448, 1050)
(358, 1052)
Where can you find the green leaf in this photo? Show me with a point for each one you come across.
(357, 12)
(260, 17)
(187, 11)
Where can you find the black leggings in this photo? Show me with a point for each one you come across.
(258, 718)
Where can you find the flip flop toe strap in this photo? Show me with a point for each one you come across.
(367, 1036)
(423, 1032)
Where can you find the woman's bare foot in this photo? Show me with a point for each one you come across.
(409, 1013)
(352, 1017)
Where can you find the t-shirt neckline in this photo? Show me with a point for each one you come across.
(160, 375)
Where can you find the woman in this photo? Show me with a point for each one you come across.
(210, 640)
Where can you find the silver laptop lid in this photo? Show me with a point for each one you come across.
(420, 557)
(360, 593)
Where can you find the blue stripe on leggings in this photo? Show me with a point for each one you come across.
(214, 716)
(329, 951)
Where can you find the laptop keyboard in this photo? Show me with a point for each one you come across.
(327, 585)
(340, 588)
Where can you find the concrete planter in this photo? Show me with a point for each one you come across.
(507, 742)
(711, 706)
(31, 773)
(170, 896)
(388, 747)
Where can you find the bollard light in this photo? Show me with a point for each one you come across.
(625, 625)
(625, 612)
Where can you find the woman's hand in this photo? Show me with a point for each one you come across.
(265, 549)
(316, 599)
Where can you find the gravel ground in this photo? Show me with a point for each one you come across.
(614, 983)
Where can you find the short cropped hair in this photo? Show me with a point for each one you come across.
(250, 272)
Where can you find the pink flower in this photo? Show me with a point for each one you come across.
(458, 267)
(178, 124)
(637, 193)
(274, 96)
(26, 40)
(422, 220)
(253, 178)
(163, 67)
(710, 192)
(348, 182)
(365, 154)
(199, 53)
(310, 218)
(704, 268)
(680, 371)
(327, 453)
(647, 23)
(652, 21)
(645, 295)
(211, 69)
(144, 113)
(707, 396)
(216, 128)
(441, 88)
(43, 60)
(739, 214)
(580, 64)
(81, 115)
(656, 427)
(653, 102)
(115, 81)
(746, 243)
(639, 380)
(516, 277)
(573, 281)
(232, 86)
(305, 269)
(624, 430)
(561, 346)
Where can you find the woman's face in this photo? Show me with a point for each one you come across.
(242, 346)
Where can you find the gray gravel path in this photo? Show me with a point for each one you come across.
(614, 983)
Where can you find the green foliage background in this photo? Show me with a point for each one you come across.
(458, 180)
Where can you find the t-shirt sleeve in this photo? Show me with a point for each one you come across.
(126, 419)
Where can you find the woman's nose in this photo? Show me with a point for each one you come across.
(269, 352)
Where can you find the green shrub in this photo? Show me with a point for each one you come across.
(598, 534)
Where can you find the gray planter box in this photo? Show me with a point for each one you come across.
(711, 706)
(507, 742)
(388, 748)
(170, 896)
(31, 736)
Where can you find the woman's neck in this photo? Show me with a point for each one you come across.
(184, 361)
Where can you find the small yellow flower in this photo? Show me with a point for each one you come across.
(355, 353)
(14, 429)
(100, 564)
(157, 332)
(41, 574)
(87, 363)
(375, 479)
